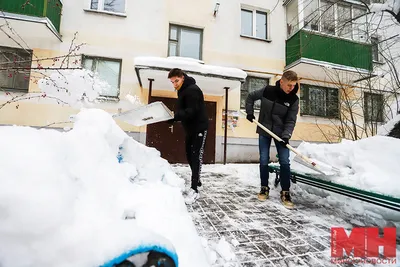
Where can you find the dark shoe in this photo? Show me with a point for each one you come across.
(264, 193)
(286, 200)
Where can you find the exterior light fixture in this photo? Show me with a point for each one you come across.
(216, 9)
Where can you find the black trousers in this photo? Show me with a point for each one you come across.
(194, 155)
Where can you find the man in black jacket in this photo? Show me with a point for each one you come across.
(191, 111)
(278, 113)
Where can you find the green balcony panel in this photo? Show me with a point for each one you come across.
(311, 45)
(37, 8)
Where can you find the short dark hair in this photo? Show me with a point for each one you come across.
(175, 73)
(290, 76)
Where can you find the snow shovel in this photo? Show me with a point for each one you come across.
(147, 114)
(312, 164)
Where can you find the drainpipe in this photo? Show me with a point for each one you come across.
(226, 122)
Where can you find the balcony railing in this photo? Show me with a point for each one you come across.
(330, 49)
(37, 8)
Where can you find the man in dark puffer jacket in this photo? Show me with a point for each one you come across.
(278, 113)
(191, 111)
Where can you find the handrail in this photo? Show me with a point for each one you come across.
(364, 195)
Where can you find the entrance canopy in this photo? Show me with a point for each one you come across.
(211, 79)
(328, 72)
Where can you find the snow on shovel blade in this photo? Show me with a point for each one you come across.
(147, 114)
(318, 166)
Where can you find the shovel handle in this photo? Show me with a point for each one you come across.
(279, 139)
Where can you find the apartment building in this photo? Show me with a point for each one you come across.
(131, 44)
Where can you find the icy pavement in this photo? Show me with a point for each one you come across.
(263, 233)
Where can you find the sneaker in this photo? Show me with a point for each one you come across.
(286, 199)
(264, 193)
(191, 196)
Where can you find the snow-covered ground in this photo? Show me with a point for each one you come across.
(370, 164)
(84, 196)
(239, 230)
(64, 197)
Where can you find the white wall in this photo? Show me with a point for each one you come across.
(144, 30)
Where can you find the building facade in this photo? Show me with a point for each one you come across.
(130, 44)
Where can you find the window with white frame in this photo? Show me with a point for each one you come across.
(340, 18)
(108, 70)
(373, 107)
(375, 48)
(311, 15)
(319, 101)
(15, 64)
(254, 23)
(115, 6)
(252, 84)
(185, 42)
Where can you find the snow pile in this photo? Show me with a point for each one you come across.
(387, 127)
(370, 164)
(64, 197)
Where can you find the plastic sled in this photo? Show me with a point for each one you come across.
(156, 256)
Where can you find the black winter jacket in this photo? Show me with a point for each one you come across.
(278, 111)
(191, 110)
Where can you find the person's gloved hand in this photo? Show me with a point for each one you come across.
(250, 117)
(285, 141)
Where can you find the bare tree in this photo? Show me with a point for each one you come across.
(25, 66)
(371, 98)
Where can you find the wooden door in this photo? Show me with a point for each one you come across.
(170, 140)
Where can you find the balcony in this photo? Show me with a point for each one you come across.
(306, 48)
(39, 18)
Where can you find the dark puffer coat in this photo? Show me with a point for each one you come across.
(278, 111)
(191, 110)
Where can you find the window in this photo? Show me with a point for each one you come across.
(373, 107)
(359, 24)
(292, 17)
(344, 21)
(116, 6)
(311, 15)
(375, 48)
(254, 23)
(108, 70)
(16, 64)
(185, 42)
(339, 18)
(327, 17)
(252, 84)
(319, 101)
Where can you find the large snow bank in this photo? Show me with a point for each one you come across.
(64, 197)
(388, 126)
(371, 164)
